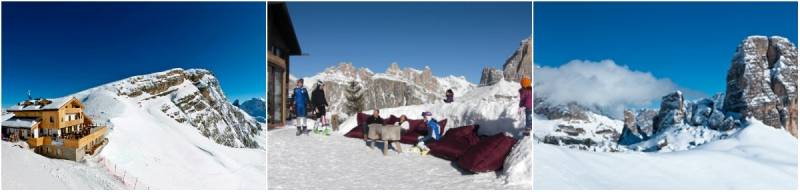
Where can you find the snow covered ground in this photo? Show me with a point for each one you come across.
(757, 157)
(23, 169)
(338, 162)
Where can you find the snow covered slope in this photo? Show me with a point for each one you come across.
(192, 97)
(758, 157)
(170, 130)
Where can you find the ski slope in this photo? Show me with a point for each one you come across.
(338, 162)
(758, 157)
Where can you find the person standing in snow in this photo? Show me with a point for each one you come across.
(374, 119)
(433, 133)
(525, 100)
(449, 95)
(320, 105)
(299, 99)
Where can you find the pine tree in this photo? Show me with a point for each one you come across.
(355, 99)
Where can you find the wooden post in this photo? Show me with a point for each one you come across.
(123, 176)
(335, 122)
(134, 184)
(399, 150)
(385, 147)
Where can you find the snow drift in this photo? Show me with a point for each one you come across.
(758, 157)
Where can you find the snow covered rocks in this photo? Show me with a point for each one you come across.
(490, 76)
(631, 133)
(762, 81)
(255, 107)
(192, 97)
(394, 88)
(672, 112)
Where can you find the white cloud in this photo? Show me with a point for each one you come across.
(604, 84)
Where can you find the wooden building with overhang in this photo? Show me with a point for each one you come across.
(281, 43)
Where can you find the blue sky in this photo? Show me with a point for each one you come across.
(84, 45)
(453, 38)
(690, 43)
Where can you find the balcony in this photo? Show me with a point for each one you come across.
(52, 141)
(76, 139)
(73, 122)
(81, 138)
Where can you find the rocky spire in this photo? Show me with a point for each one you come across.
(762, 81)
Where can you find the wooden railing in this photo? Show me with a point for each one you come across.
(35, 141)
(73, 122)
(77, 143)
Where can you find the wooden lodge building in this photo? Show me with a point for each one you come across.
(55, 128)
(282, 43)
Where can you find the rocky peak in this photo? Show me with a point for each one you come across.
(630, 122)
(490, 76)
(520, 64)
(762, 81)
(672, 112)
(256, 108)
(631, 132)
(394, 69)
(192, 97)
(567, 112)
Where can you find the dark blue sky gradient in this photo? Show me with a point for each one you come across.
(688, 42)
(452, 38)
(56, 49)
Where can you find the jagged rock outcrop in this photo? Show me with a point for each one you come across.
(194, 98)
(520, 64)
(644, 120)
(631, 132)
(762, 81)
(672, 112)
(490, 76)
(630, 123)
(570, 111)
(385, 90)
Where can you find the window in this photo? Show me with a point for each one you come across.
(48, 150)
(58, 151)
(51, 119)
